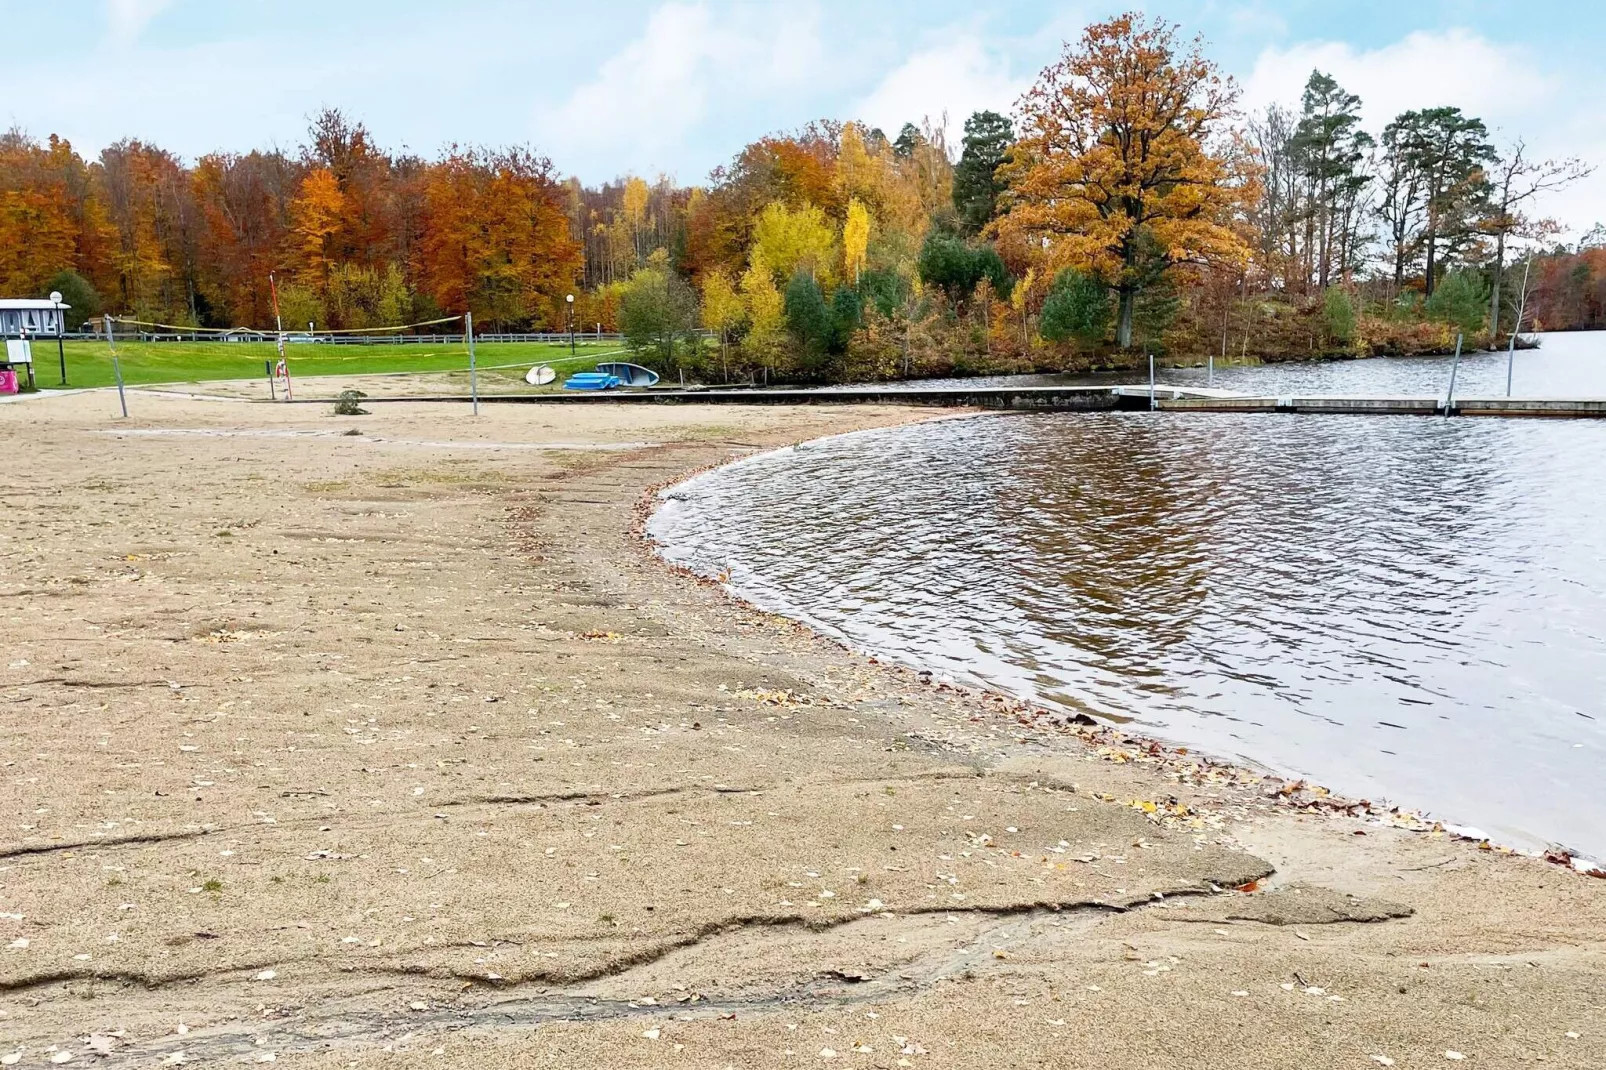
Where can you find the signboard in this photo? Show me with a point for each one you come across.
(19, 351)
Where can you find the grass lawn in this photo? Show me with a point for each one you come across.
(145, 363)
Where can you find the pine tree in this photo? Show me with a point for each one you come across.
(976, 186)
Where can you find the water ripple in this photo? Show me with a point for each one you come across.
(1399, 607)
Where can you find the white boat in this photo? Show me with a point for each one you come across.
(629, 374)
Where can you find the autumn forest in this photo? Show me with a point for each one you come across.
(1129, 205)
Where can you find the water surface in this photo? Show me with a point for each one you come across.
(1406, 608)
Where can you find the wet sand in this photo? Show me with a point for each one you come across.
(401, 747)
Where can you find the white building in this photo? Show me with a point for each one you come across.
(21, 321)
(32, 318)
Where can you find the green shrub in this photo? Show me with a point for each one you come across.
(1462, 300)
(1338, 315)
(1077, 307)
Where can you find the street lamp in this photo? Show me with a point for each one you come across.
(570, 300)
(61, 325)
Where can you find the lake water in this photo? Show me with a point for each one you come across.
(1401, 608)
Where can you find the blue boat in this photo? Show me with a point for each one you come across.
(629, 374)
(591, 381)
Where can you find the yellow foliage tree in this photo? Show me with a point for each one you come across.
(1115, 167)
(722, 307)
(858, 173)
(766, 315)
(635, 210)
(1018, 298)
(786, 241)
(855, 240)
(890, 192)
(928, 170)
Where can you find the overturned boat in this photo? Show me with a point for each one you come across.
(591, 381)
(629, 374)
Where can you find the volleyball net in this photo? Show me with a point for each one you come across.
(433, 356)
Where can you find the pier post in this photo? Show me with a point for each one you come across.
(1152, 403)
(1522, 306)
(1449, 398)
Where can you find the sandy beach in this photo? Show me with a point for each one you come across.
(401, 747)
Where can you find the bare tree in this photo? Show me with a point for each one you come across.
(1517, 179)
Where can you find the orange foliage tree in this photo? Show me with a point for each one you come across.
(1116, 167)
(315, 217)
(496, 240)
(148, 202)
(244, 230)
(51, 216)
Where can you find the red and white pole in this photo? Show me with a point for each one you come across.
(278, 321)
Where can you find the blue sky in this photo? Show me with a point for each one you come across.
(677, 86)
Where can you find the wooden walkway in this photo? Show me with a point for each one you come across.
(1061, 399)
(1393, 406)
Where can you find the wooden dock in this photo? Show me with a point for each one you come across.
(1393, 406)
(1140, 397)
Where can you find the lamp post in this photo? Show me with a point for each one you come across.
(570, 300)
(61, 325)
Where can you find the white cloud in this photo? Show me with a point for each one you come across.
(1422, 70)
(651, 94)
(127, 19)
(955, 78)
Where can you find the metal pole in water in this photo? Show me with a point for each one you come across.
(1152, 403)
(117, 368)
(1210, 379)
(1449, 399)
(1522, 305)
(473, 381)
(1511, 359)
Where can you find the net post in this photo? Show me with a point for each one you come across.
(473, 382)
(117, 368)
